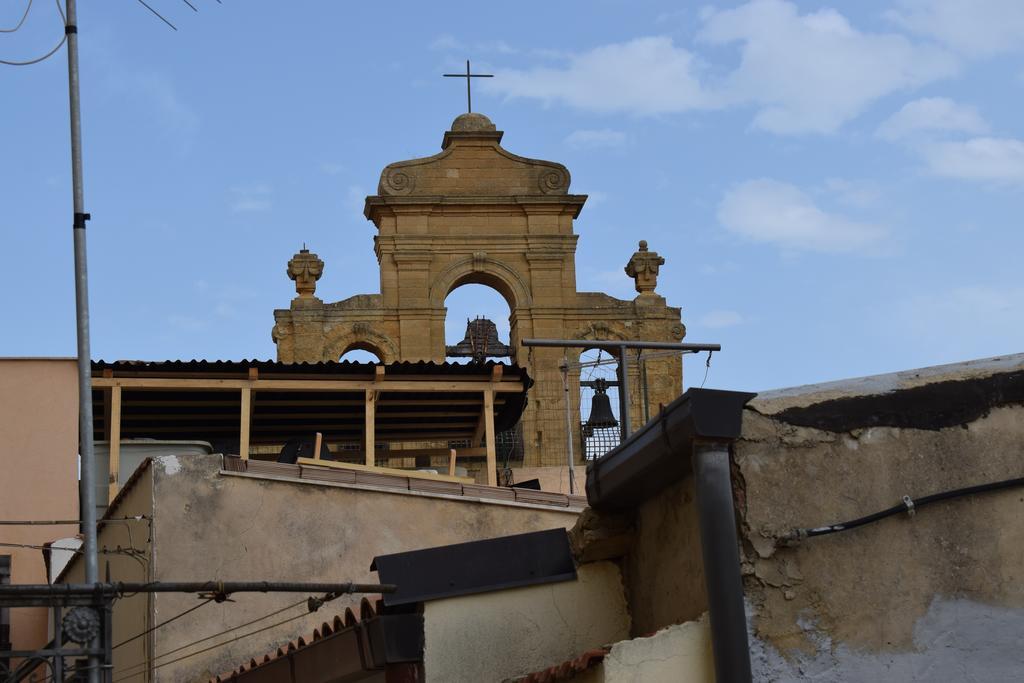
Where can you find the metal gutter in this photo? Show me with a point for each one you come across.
(692, 435)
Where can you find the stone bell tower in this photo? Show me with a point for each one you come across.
(476, 213)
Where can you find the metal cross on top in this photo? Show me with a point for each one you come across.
(468, 76)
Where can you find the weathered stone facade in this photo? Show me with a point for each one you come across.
(475, 213)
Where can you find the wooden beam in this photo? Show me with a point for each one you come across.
(414, 474)
(114, 437)
(369, 427)
(187, 401)
(496, 372)
(245, 425)
(413, 452)
(317, 444)
(451, 463)
(378, 373)
(492, 454)
(481, 428)
(388, 384)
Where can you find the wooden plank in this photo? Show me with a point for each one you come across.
(492, 456)
(388, 384)
(369, 428)
(114, 437)
(317, 444)
(481, 427)
(413, 452)
(451, 463)
(378, 373)
(245, 424)
(187, 401)
(414, 474)
(496, 372)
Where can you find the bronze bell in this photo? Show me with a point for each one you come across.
(601, 407)
(481, 342)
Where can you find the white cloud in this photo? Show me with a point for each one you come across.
(355, 198)
(988, 319)
(448, 43)
(977, 28)
(331, 168)
(167, 110)
(859, 193)
(642, 76)
(591, 139)
(777, 213)
(932, 114)
(802, 72)
(251, 198)
(718, 319)
(997, 160)
(814, 72)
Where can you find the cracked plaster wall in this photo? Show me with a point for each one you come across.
(935, 597)
(510, 633)
(208, 525)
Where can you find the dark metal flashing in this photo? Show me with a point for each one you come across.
(933, 406)
(477, 567)
(658, 454)
(350, 649)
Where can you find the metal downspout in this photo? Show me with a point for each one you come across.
(720, 551)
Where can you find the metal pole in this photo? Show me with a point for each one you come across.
(617, 344)
(624, 391)
(643, 384)
(569, 429)
(720, 551)
(87, 498)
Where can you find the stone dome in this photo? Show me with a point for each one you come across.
(472, 122)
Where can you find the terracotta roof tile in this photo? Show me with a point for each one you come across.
(566, 670)
(396, 482)
(366, 610)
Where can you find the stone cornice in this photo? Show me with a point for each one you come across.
(377, 206)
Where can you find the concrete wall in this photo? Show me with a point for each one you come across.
(664, 570)
(132, 614)
(510, 633)
(936, 596)
(677, 653)
(38, 458)
(209, 525)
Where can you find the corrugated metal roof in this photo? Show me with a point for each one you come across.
(269, 368)
(279, 415)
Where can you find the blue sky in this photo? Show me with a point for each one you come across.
(837, 189)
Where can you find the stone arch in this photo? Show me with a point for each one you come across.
(344, 338)
(482, 270)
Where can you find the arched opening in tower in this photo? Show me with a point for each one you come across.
(477, 325)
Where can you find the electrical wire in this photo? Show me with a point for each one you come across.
(49, 54)
(194, 8)
(214, 647)
(163, 623)
(58, 522)
(160, 16)
(907, 505)
(118, 551)
(22, 21)
(707, 369)
(217, 635)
